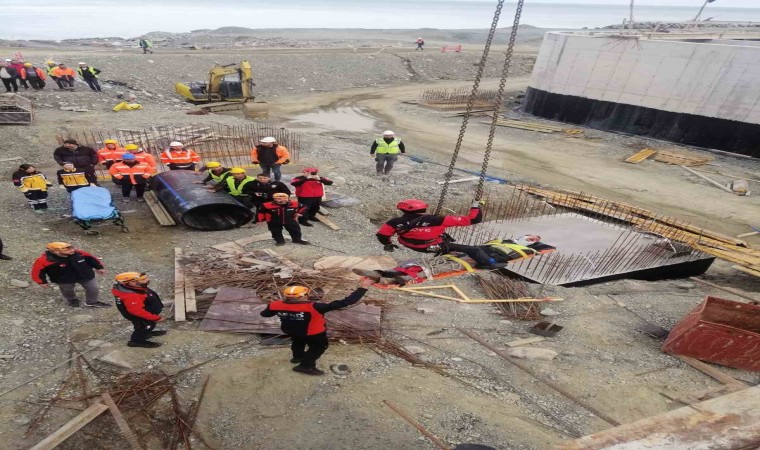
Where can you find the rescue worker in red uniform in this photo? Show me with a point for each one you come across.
(309, 190)
(177, 157)
(128, 173)
(303, 320)
(66, 266)
(426, 233)
(281, 213)
(110, 153)
(140, 305)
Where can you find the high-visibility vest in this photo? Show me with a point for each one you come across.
(507, 249)
(220, 177)
(50, 70)
(106, 154)
(238, 191)
(386, 148)
(89, 69)
(76, 178)
(121, 170)
(146, 158)
(185, 157)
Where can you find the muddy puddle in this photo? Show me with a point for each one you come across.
(343, 118)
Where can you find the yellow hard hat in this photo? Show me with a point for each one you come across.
(214, 165)
(280, 195)
(27, 64)
(110, 141)
(50, 63)
(235, 170)
(126, 277)
(57, 245)
(295, 291)
(130, 146)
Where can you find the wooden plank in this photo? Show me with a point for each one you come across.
(190, 304)
(747, 270)
(159, 212)
(461, 180)
(751, 233)
(130, 435)
(179, 287)
(709, 370)
(733, 291)
(731, 421)
(640, 156)
(526, 341)
(330, 224)
(513, 300)
(257, 262)
(71, 427)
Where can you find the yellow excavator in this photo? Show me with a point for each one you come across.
(229, 86)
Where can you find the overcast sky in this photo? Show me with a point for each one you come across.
(695, 3)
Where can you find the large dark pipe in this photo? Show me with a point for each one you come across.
(196, 207)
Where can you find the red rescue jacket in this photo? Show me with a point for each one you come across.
(306, 187)
(142, 303)
(280, 214)
(420, 231)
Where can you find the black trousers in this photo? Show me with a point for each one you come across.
(142, 328)
(10, 83)
(36, 83)
(1, 246)
(93, 83)
(312, 207)
(317, 344)
(126, 189)
(293, 229)
(37, 199)
(478, 254)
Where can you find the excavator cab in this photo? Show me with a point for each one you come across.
(226, 83)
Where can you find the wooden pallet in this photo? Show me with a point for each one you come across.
(536, 126)
(159, 212)
(682, 158)
(640, 156)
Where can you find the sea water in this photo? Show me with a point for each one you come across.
(63, 19)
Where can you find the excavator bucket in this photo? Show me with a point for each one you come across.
(256, 109)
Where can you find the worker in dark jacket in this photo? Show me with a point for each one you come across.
(67, 267)
(71, 179)
(426, 233)
(264, 188)
(89, 75)
(10, 76)
(140, 305)
(303, 320)
(281, 213)
(270, 155)
(83, 158)
(310, 190)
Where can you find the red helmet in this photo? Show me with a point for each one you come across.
(412, 205)
(311, 169)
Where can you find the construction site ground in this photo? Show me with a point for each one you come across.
(254, 400)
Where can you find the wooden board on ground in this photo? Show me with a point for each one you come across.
(526, 341)
(123, 425)
(238, 246)
(71, 427)
(461, 297)
(710, 370)
(179, 287)
(330, 224)
(640, 156)
(682, 158)
(159, 212)
(730, 421)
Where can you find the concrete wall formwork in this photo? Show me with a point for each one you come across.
(705, 94)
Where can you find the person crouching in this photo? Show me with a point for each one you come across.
(304, 321)
(140, 305)
(281, 213)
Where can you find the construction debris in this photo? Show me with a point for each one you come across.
(16, 110)
(640, 156)
(682, 158)
(537, 126)
(457, 98)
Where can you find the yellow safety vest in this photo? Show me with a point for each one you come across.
(74, 179)
(217, 178)
(507, 249)
(50, 70)
(238, 191)
(34, 182)
(386, 148)
(89, 69)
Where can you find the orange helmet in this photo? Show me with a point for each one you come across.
(126, 277)
(281, 195)
(295, 291)
(58, 246)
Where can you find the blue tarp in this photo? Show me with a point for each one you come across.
(92, 203)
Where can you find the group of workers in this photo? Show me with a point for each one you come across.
(13, 71)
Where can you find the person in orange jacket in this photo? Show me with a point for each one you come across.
(270, 155)
(35, 76)
(141, 155)
(64, 76)
(177, 157)
(140, 305)
(129, 173)
(110, 153)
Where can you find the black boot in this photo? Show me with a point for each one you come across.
(308, 370)
(158, 332)
(5, 257)
(305, 223)
(143, 344)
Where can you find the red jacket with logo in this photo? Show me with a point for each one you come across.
(271, 212)
(307, 318)
(308, 187)
(420, 231)
(143, 303)
(69, 269)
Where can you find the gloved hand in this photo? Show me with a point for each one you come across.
(477, 203)
(390, 247)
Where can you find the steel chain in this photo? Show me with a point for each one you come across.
(499, 98)
(470, 102)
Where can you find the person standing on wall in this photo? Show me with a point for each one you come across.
(270, 155)
(309, 191)
(386, 150)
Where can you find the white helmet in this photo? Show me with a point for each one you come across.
(388, 133)
(175, 144)
(82, 63)
(268, 140)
